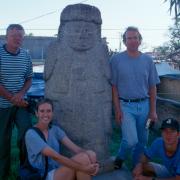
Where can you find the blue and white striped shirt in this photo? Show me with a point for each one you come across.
(15, 69)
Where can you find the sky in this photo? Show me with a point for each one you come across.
(42, 18)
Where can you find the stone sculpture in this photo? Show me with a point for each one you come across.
(77, 79)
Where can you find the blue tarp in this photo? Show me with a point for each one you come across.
(37, 88)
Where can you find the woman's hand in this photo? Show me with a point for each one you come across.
(91, 169)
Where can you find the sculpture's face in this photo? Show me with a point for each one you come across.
(80, 35)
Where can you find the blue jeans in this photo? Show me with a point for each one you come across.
(134, 133)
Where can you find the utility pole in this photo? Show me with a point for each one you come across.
(120, 40)
(42, 53)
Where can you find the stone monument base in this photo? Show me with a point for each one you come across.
(107, 165)
(107, 172)
(121, 174)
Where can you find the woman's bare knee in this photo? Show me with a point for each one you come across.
(82, 158)
(92, 156)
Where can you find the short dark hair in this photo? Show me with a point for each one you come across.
(131, 28)
(43, 101)
(12, 26)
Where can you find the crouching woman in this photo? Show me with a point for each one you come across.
(81, 166)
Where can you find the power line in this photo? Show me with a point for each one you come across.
(145, 29)
(38, 17)
(83, 1)
(103, 29)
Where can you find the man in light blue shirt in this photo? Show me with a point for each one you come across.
(134, 79)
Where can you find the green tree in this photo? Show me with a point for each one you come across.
(175, 7)
(175, 36)
(163, 51)
(171, 50)
(30, 34)
(175, 43)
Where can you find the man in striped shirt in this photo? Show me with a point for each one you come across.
(15, 80)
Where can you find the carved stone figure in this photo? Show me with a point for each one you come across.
(77, 79)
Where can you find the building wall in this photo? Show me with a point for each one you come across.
(37, 45)
(166, 109)
(169, 87)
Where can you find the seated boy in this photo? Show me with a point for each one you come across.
(165, 148)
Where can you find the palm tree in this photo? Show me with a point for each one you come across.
(175, 6)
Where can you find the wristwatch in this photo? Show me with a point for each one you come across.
(153, 178)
